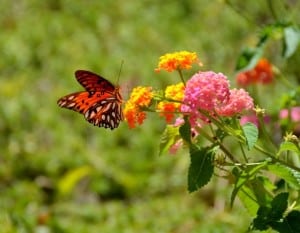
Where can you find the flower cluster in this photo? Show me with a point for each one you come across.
(172, 104)
(293, 114)
(177, 61)
(239, 101)
(205, 91)
(206, 95)
(261, 73)
(140, 99)
(209, 91)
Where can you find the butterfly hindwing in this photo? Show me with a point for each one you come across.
(106, 113)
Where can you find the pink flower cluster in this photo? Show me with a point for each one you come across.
(239, 101)
(293, 113)
(210, 92)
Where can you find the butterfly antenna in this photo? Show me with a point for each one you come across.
(122, 62)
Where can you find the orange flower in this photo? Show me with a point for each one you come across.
(264, 71)
(178, 60)
(140, 98)
(261, 73)
(172, 93)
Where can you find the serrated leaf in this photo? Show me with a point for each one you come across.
(291, 41)
(261, 222)
(292, 220)
(288, 146)
(201, 168)
(168, 138)
(291, 176)
(71, 178)
(251, 133)
(282, 227)
(185, 131)
(278, 206)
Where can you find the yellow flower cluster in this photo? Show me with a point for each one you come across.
(174, 95)
(140, 98)
(177, 61)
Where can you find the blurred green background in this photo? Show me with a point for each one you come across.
(58, 173)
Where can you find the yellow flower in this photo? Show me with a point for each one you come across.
(174, 95)
(175, 92)
(133, 111)
(177, 61)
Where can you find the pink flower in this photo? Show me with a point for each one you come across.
(253, 119)
(294, 114)
(206, 91)
(179, 143)
(239, 101)
(176, 146)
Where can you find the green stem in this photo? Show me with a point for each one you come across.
(272, 9)
(243, 152)
(181, 76)
(223, 148)
(236, 10)
(264, 132)
(276, 159)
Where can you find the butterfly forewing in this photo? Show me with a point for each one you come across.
(93, 82)
(100, 103)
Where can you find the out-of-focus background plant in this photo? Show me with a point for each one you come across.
(60, 174)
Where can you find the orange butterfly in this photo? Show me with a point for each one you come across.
(100, 103)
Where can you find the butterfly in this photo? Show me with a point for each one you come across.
(100, 103)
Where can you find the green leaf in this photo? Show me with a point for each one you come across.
(71, 178)
(168, 138)
(273, 216)
(185, 131)
(278, 206)
(288, 146)
(249, 58)
(292, 220)
(259, 188)
(291, 41)
(261, 222)
(254, 193)
(251, 133)
(248, 199)
(291, 176)
(243, 177)
(201, 167)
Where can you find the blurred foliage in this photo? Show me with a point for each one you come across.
(60, 174)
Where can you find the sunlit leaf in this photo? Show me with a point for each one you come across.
(289, 146)
(291, 41)
(67, 183)
(247, 197)
(251, 133)
(243, 177)
(291, 176)
(168, 138)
